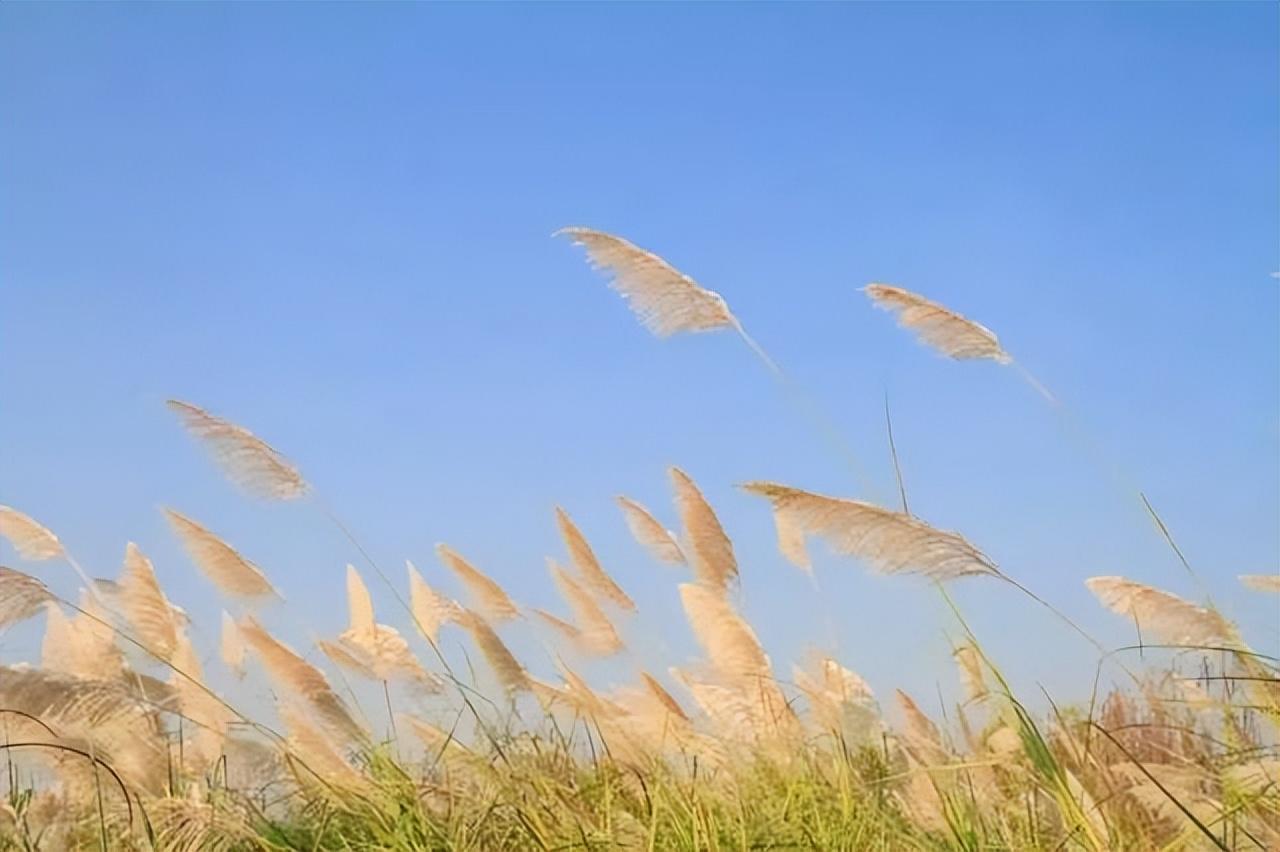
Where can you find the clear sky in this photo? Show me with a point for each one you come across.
(331, 223)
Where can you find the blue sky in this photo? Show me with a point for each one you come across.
(331, 223)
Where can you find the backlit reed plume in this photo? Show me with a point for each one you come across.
(1161, 615)
(80, 645)
(431, 610)
(888, 541)
(21, 596)
(377, 651)
(317, 759)
(246, 459)
(32, 540)
(294, 676)
(791, 543)
(589, 568)
(657, 539)
(510, 674)
(840, 701)
(143, 604)
(1262, 582)
(971, 669)
(488, 597)
(209, 717)
(559, 625)
(219, 561)
(730, 643)
(708, 547)
(664, 299)
(231, 646)
(945, 330)
(596, 633)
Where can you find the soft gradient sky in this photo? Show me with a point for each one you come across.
(331, 224)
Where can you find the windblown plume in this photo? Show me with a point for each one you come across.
(660, 694)
(564, 628)
(490, 599)
(665, 300)
(920, 734)
(839, 699)
(30, 539)
(1262, 582)
(584, 559)
(359, 604)
(210, 716)
(657, 539)
(791, 541)
(231, 646)
(505, 667)
(888, 541)
(246, 459)
(381, 654)
(194, 825)
(730, 643)
(969, 664)
(293, 675)
(80, 646)
(431, 610)
(144, 605)
(21, 596)
(219, 561)
(596, 634)
(1159, 614)
(445, 750)
(945, 330)
(709, 549)
(316, 756)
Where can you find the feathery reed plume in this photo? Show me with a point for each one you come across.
(359, 604)
(660, 694)
(839, 699)
(293, 675)
(1262, 582)
(490, 599)
(657, 539)
(191, 825)
(564, 628)
(228, 570)
(144, 605)
(584, 559)
(320, 755)
(709, 549)
(664, 299)
(21, 596)
(246, 459)
(505, 667)
(791, 541)
(431, 610)
(730, 643)
(920, 734)
(596, 634)
(1165, 616)
(888, 541)
(32, 541)
(231, 646)
(945, 330)
(972, 678)
(80, 646)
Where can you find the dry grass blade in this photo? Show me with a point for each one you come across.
(665, 300)
(21, 596)
(144, 605)
(888, 541)
(293, 675)
(709, 549)
(1262, 582)
(246, 459)
(596, 634)
(32, 541)
(231, 646)
(945, 330)
(1162, 615)
(505, 667)
(730, 643)
(584, 559)
(431, 610)
(219, 561)
(490, 599)
(657, 539)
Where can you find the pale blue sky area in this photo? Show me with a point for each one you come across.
(331, 223)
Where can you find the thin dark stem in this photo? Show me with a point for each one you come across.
(893, 451)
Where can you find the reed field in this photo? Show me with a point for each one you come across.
(138, 729)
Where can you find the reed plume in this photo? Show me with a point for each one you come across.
(231, 646)
(144, 605)
(945, 330)
(21, 596)
(708, 547)
(246, 459)
(431, 610)
(234, 575)
(596, 633)
(490, 599)
(589, 568)
(510, 674)
(1262, 582)
(1165, 616)
(32, 540)
(645, 528)
(888, 541)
